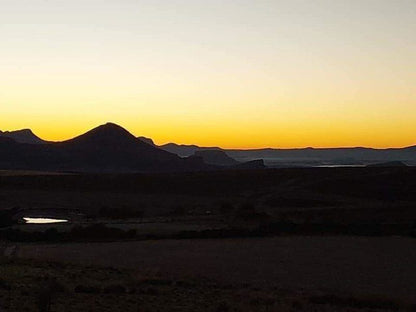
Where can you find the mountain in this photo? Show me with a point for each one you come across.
(216, 157)
(146, 140)
(107, 148)
(355, 156)
(326, 156)
(185, 150)
(23, 136)
(110, 148)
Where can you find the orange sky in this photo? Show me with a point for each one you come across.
(233, 74)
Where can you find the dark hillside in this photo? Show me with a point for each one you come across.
(107, 148)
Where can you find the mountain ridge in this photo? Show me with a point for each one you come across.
(114, 137)
(106, 148)
(23, 136)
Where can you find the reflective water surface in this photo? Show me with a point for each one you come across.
(43, 220)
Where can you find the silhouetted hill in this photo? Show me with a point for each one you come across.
(23, 136)
(107, 148)
(109, 133)
(216, 157)
(146, 140)
(185, 150)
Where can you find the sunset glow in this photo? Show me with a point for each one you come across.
(235, 74)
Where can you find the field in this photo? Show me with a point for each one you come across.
(320, 239)
(34, 286)
(267, 274)
(353, 265)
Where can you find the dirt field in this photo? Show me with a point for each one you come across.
(348, 265)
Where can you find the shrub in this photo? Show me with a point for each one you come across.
(177, 210)
(114, 289)
(4, 285)
(359, 303)
(46, 292)
(223, 307)
(123, 212)
(43, 299)
(87, 289)
(226, 207)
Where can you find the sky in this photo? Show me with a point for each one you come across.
(235, 74)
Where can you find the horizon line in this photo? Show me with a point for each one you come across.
(220, 147)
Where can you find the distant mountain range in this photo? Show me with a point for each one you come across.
(110, 148)
(355, 156)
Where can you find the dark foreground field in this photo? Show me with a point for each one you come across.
(265, 274)
(319, 239)
(349, 265)
(41, 286)
(333, 196)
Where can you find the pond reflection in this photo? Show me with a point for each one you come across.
(43, 220)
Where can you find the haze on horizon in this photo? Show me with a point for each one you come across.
(237, 74)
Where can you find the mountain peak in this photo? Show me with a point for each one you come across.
(110, 129)
(109, 133)
(110, 126)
